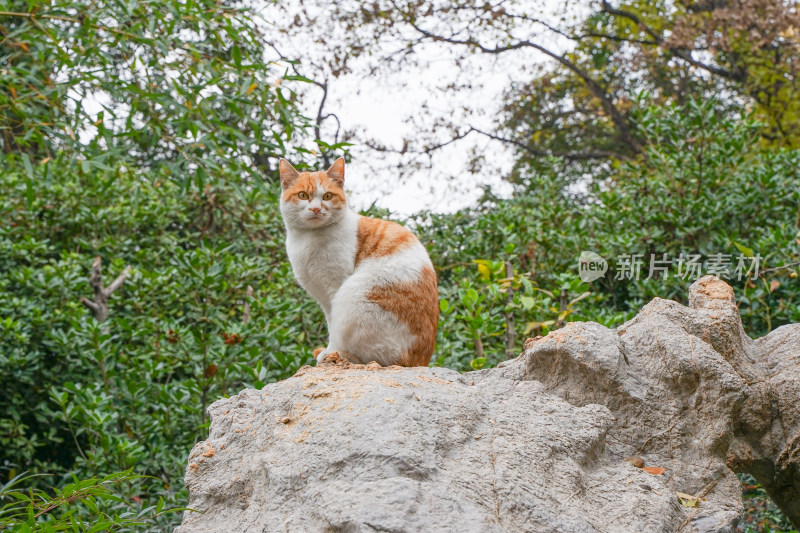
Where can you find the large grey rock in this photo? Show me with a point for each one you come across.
(690, 391)
(537, 444)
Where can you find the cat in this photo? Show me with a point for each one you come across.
(373, 278)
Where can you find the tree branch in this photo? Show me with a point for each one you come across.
(680, 53)
(782, 267)
(93, 307)
(616, 116)
(99, 306)
(572, 156)
(117, 283)
(321, 118)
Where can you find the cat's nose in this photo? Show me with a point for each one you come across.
(316, 210)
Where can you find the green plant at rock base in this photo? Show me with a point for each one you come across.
(34, 510)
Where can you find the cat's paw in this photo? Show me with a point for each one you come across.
(322, 353)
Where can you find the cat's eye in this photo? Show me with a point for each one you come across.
(303, 195)
(327, 196)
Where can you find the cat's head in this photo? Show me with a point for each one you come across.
(312, 199)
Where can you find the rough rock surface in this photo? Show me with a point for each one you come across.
(537, 444)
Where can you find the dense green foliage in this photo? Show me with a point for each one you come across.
(174, 177)
(142, 133)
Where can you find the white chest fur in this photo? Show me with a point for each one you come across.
(322, 258)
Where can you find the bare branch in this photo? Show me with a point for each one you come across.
(616, 116)
(96, 279)
(782, 267)
(93, 307)
(117, 283)
(578, 37)
(99, 306)
(680, 53)
(572, 156)
(321, 116)
(318, 122)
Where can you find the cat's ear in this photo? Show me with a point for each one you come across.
(288, 173)
(336, 172)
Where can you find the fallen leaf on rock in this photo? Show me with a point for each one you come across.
(636, 461)
(687, 500)
(655, 470)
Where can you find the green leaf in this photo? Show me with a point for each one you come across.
(477, 363)
(26, 160)
(748, 252)
(527, 302)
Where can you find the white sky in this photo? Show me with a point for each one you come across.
(381, 111)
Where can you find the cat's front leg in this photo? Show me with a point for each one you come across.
(322, 353)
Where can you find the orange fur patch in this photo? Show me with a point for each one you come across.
(379, 238)
(415, 304)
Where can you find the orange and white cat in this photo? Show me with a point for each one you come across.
(373, 278)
